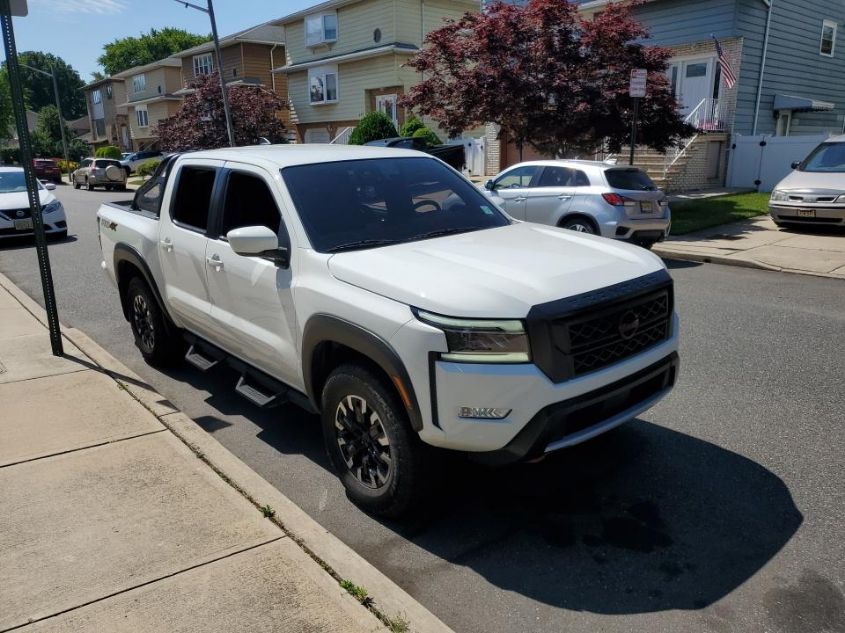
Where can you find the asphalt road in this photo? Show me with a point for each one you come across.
(719, 510)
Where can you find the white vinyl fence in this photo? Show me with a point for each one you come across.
(762, 161)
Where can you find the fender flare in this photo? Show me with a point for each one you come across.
(324, 328)
(126, 253)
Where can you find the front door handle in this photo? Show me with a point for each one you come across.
(215, 261)
(520, 199)
(166, 244)
(563, 196)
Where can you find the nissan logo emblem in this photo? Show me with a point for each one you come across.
(629, 323)
(20, 213)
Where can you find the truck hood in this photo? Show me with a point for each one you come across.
(499, 272)
(19, 199)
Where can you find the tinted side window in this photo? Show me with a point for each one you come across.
(517, 178)
(557, 177)
(581, 179)
(86, 163)
(193, 197)
(249, 202)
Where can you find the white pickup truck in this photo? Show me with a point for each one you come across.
(380, 289)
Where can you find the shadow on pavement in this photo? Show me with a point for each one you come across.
(28, 242)
(672, 264)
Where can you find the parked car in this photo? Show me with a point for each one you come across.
(99, 172)
(15, 216)
(592, 197)
(384, 291)
(131, 162)
(47, 169)
(814, 193)
(452, 155)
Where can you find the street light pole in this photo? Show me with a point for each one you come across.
(52, 75)
(230, 130)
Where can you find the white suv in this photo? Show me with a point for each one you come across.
(380, 289)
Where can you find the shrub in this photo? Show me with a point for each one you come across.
(410, 126)
(374, 126)
(430, 137)
(147, 168)
(67, 165)
(10, 155)
(108, 151)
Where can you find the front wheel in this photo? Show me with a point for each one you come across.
(157, 345)
(578, 224)
(378, 457)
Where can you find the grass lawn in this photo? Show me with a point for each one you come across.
(693, 215)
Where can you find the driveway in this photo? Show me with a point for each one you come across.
(759, 243)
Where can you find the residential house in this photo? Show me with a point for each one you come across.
(345, 58)
(150, 98)
(248, 58)
(107, 118)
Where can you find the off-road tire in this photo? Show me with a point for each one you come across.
(159, 346)
(405, 480)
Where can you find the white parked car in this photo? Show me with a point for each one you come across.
(814, 193)
(615, 201)
(15, 216)
(380, 289)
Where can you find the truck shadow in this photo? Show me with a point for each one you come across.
(642, 519)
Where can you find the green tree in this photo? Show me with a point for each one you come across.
(7, 117)
(108, 151)
(126, 52)
(38, 88)
(410, 126)
(47, 137)
(372, 127)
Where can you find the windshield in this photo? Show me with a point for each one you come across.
(13, 182)
(631, 179)
(354, 204)
(827, 157)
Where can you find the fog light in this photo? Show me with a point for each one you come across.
(484, 413)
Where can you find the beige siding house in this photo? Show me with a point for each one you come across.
(345, 58)
(248, 58)
(107, 118)
(150, 98)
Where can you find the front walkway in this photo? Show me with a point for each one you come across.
(759, 243)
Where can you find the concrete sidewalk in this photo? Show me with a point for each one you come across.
(759, 243)
(117, 513)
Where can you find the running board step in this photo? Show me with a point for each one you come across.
(200, 360)
(257, 395)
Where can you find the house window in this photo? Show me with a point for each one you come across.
(97, 96)
(203, 64)
(320, 28)
(100, 127)
(139, 83)
(142, 116)
(322, 85)
(108, 92)
(828, 44)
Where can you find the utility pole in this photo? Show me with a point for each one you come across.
(52, 75)
(230, 130)
(29, 172)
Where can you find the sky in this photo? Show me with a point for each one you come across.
(76, 30)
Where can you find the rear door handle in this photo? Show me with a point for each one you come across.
(520, 199)
(166, 244)
(215, 261)
(563, 196)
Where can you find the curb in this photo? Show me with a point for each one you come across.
(391, 603)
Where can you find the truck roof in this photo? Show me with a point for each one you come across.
(304, 154)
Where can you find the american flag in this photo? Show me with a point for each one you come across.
(728, 74)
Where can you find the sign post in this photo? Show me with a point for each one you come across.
(637, 90)
(7, 9)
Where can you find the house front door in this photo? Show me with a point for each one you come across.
(387, 104)
(693, 82)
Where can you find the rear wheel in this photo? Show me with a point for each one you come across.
(578, 224)
(89, 185)
(157, 345)
(76, 185)
(379, 458)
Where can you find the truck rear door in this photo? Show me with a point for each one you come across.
(183, 239)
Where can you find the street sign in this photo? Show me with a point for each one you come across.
(639, 78)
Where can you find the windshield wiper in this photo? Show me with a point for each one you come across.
(349, 246)
(442, 232)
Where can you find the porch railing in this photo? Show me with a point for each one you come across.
(710, 115)
(342, 138)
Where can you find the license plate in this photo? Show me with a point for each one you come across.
(23, 225)
(806, 213)
(647, 207)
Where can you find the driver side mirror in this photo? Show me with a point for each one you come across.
(50, 186)
(796, 164)
(490, 185)
(258, 241)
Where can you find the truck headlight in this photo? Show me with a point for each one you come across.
(779, 196)
(481, 340)
(53, 206)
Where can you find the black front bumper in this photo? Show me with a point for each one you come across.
(564, 419)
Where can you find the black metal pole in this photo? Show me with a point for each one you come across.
(61, 120)
(634, 129)
(29, 175)
(230, 131)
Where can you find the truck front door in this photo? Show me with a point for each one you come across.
(183, 240)
(251, 301)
